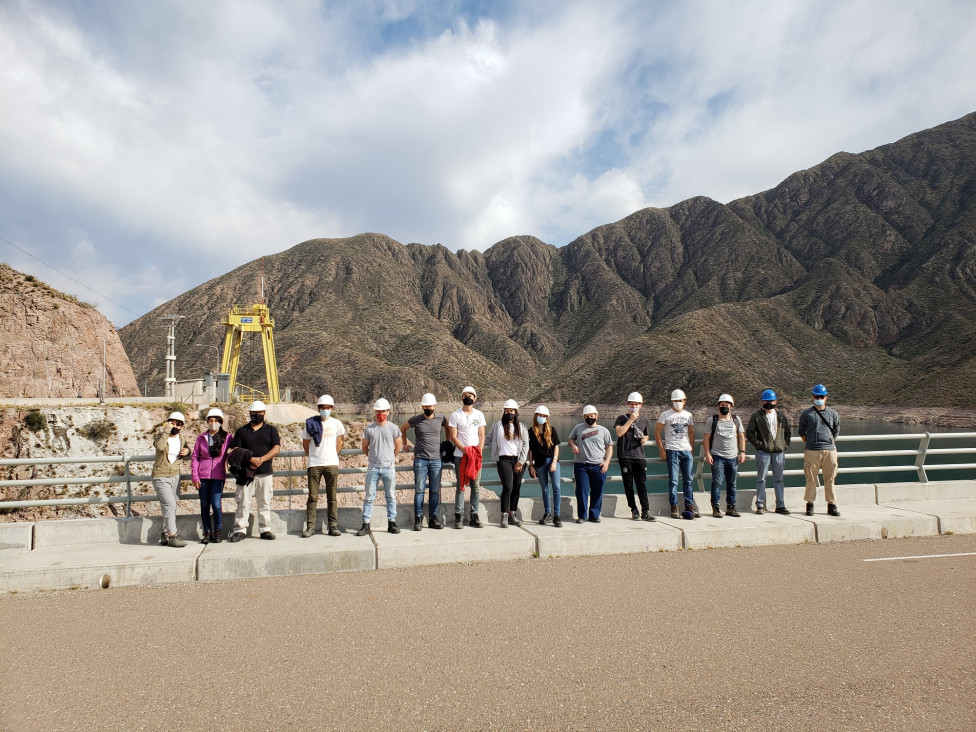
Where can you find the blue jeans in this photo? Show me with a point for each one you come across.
(679, 460)
(424, 468)
(589, 489)
(763, 461)
(724, 473)
(474, 487)
(211, 493)
(388, 478)
(548, 473)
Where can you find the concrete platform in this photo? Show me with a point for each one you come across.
(870, 522)
(749, 529)
(15, 539)
(945, 490)
(449, 545)
(611, 536)
(288, 554)
(955, 517)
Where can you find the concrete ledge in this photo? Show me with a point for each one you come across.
(610, 536)
(71, 532)
(15, 539)
(63, 568)
(955, 517)
(871, 522)
(449, 545)
(946, 490)
(287, 555)
(747, 530)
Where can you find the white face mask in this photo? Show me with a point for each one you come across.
(540, 420)
(819, 402)
(678, 406)
(325, 413)
(214, 426)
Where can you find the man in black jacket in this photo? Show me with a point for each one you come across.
(263, 441)
(769, 432)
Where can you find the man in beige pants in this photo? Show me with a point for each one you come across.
(819, 427)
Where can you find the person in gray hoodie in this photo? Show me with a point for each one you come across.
(769, 432)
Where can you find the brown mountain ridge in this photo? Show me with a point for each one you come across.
(859, 273)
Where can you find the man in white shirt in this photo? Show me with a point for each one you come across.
(675, 436)
(322, 440)
(466, 429)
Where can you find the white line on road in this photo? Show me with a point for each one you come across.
(923, 556)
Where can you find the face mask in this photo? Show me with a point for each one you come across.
(590, 420)
(768, 406)
(174, 431)
(678, 406)
(819, 402)
(257, 418)
(723, 410)
(214, 426)
(428, 411)
(467, 401)
(540, 420)
(381, 418)
(506, 418)
(325, 413)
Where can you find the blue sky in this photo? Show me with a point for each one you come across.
(148, 147)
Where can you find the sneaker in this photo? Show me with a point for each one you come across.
(309, 530)
(545, 519)
(217, 536)
(504, 523)
(581, 521)
(732, 511)
(782, 510)
(557, 522)
(458, 522)
(364, 530)
(392, 527)
(206, 538)
(267, 536)
(674, 512)
(513, 519)
(334, 531)
(646, 516)
(715, 512)
(594, 520)
(635, 514)
(760, 509)
(434, 522)
(693, 508)
(236, 536)
(832, 510)
(809, 509)
(418, 523)
(163, 539)
(475, 521)
(175, 541)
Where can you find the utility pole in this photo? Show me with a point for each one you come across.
(101, 395)
(170, 391)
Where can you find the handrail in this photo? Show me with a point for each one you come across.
(920, 466)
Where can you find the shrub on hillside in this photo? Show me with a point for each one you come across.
(35, 421)
(98, 431)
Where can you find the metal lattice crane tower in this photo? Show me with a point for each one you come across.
(255, 319)
(170, 383)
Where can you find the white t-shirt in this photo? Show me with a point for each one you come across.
(174, 448)
(325, 452)
(675, 430)
(771, 420)
(467, 427)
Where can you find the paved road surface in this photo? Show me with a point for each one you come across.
(767, 638)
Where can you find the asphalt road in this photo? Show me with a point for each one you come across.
(766, 638)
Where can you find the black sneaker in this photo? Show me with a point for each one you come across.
(715, 512)
(557, 522)
(206, 538)
(760, 509)
(581, 521)
(646, 516)
(434, 522)
(267, 536)
(513, 519)
(217, 536)
(475, 521)
(782, 510)
(674, 512)
(545, 519)
(809, 509)
(393, 528)
(594, 520)
(364, 530)
(334, 531)
(732, 511)
(458, 521)
(418, 523)
(163, 540)
(832, 510)
(635, 514)
(236, 536)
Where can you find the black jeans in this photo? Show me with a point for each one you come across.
(633, 471)
(511, 482)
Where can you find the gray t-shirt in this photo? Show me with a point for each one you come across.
(381, 438)
(591, 441)
(427, 434)
(725, 443)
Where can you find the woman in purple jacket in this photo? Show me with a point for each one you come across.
(209, 471)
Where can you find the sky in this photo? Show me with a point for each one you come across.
(148, 147)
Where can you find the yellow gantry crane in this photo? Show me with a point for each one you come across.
(254, 319)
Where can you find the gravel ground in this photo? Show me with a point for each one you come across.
(765, 638)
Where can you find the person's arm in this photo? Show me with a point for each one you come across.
(340, 441)
(397, 445)
(572, 443)
(658, 429)
(481, 438)
(751, 432)
(787, 430)
(490, 438)
(691, 435)
(742, 443)
(364, 445)
(607, 454)
(621, 429)
(523, 451)
(802, 427)
(707, 444)
(257, 462)
(403, 432)
(305, 444)
(195, 468)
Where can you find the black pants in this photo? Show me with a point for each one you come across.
(634, 471)
(511, 482)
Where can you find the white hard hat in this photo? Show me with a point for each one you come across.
(325, 399)
(380, 404)
(176, 415)
(469, 390)
(677, 394)
(258, 406)
(215, 413)
(428, 400)
(589, 409)
(510, 404)
(727, 398)
(542, 409)
(635, 397)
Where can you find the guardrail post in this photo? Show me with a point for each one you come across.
(923, 447)
(128, 486)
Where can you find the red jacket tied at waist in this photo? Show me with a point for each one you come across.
(470, 466)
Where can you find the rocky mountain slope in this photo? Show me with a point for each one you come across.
(51, 344)
(859, 273)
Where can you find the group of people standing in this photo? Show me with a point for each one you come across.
(514, 446)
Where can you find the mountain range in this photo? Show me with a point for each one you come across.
(859, 273)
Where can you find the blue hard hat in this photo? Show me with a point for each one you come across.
(820, 390)
(768, 395)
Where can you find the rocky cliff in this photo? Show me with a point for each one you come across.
(51, 344)
(859, 273)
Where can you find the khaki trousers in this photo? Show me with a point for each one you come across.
(316, 473)
(815, 461)
(262, 488)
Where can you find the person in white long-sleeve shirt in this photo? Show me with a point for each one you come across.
(509, 442)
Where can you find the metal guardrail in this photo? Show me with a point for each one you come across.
(919, 467)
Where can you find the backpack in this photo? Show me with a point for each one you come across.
(735, 423)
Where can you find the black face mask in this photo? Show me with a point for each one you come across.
(723, 410)
(175, 431)
(467, 401)
(428, 412)
(590, 420)
(257, 419)
(506, 418)
(768, 406)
